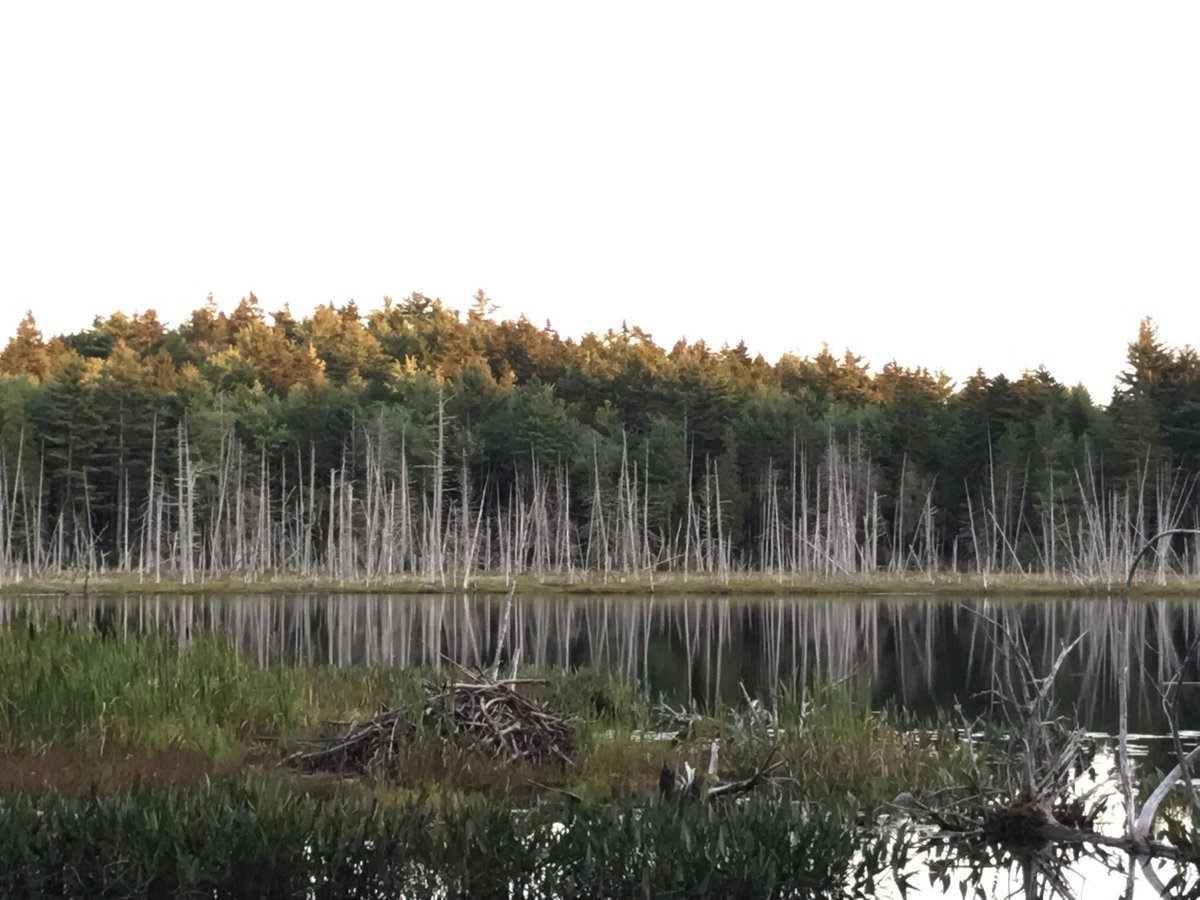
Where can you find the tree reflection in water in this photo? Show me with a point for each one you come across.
(925, 656)
(920, 655)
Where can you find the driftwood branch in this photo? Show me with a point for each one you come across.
(1145, 819)
(732, 788)
(570, 795)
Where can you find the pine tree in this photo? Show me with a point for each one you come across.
(26, 352)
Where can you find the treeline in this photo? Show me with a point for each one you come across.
(415, 439)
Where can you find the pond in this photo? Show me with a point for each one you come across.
(923, 655)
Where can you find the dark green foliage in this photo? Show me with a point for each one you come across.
(290, 424)
(259, 838)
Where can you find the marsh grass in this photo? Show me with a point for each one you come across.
(742, 585)
(63, 685)
(257, 836)
(142, 767)
(850, 751)
(66, 685)
(73, 701)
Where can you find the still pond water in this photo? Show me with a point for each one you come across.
(920, 655)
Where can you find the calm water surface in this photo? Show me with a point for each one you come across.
(922, 655)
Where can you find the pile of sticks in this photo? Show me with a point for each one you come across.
(364, 747)
(481, 710)
(492, 716)
(478, 711)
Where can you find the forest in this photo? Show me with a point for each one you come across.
(419, 441)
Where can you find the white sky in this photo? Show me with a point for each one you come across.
(949, 184)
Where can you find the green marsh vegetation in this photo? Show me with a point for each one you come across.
(257, 837)
(171, 764)
(71, 686)
(143, 765)
(72, 689)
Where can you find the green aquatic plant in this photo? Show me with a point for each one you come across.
(81, 708)
(257, 836)
(62, 685)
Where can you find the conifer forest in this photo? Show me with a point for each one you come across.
(415, 440)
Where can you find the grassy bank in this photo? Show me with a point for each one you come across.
(670, 585)
(71, 694)
(139, 766)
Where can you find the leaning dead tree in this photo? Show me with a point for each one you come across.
(1023, 790)
(1140, 826)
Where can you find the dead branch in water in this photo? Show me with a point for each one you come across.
(1025, 796)
(1140, 825)
(763, 775)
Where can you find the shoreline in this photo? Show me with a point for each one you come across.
(762, 586)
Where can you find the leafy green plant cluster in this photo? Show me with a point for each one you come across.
(255, 837)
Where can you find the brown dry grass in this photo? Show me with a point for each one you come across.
(664, 584)
(75, 771)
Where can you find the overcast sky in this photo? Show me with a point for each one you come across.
(955, 185)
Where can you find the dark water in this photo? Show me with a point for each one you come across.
(921, 655)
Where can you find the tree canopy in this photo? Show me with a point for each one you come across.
(108, 433)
